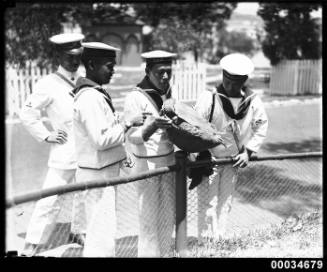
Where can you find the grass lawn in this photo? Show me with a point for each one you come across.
(296, 237)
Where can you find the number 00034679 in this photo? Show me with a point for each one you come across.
(296, 264)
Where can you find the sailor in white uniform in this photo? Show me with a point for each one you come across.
(150, 148)
(99, 138)
(240, 113)
(53, 94)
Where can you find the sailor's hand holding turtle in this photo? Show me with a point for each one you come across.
(136, 121)
(152, 123)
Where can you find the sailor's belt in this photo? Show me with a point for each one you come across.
(154, 156)
(94, 168)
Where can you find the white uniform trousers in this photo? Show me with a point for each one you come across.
(156, 215)
(47, 210)
(156, 212)
(98, 208)
(215, 196)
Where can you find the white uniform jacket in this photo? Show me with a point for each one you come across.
(98, 134)
(158, 145)
(248, 132)
(53, 94)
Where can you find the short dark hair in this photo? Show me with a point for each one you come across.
(95, 59)
(85, 60)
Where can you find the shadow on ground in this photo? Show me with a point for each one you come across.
(125, 247)
(59, 244)
(282, 187)
(59, 237)
(313, 145)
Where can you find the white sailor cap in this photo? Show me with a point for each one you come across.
(99, 49)
(158, 56)
(236, 64)
(69, 43)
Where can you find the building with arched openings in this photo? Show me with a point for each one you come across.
(126, 36)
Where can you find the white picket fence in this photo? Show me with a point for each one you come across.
(296, 77)
(19, 84)
(187, 81)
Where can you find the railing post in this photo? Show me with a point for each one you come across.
(181, 237)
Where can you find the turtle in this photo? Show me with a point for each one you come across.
(189, 132)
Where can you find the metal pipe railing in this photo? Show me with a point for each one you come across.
(227, 160)
(182, 163)
(181, 229)
(68, 188)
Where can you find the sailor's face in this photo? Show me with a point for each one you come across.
(233, 87)
(160, 75)
(105, 70)
(70, 62)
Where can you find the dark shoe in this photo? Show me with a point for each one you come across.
(29, 250)
(77, 238)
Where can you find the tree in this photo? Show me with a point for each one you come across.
(184, 26)
(177, 26)
(29, 27)
(234, 41)
(291, 33)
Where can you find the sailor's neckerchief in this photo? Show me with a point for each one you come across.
(147, 86)
(83, 82)
(244, 105)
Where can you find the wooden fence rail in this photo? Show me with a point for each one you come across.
(187, 81)
(293, 77)
(19, 84)
(296, 77)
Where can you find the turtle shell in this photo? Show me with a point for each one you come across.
(190, 132)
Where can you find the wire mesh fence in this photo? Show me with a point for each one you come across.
(156, 215)
(267, 192)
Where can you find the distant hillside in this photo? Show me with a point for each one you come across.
(244, 22)
(239, 17)
(249, 24)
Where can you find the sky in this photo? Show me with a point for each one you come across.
(247, 8)
(251, 9)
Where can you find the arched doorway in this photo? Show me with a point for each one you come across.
(131, 55)
(116, 41)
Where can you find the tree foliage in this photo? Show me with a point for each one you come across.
(177, 27)
(291, 33)
(29, 27)
(184, 27)
(234, 41)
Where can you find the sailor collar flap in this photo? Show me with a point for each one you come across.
(150, 95)
(244, 105)
(83, 83)
(151, 92)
